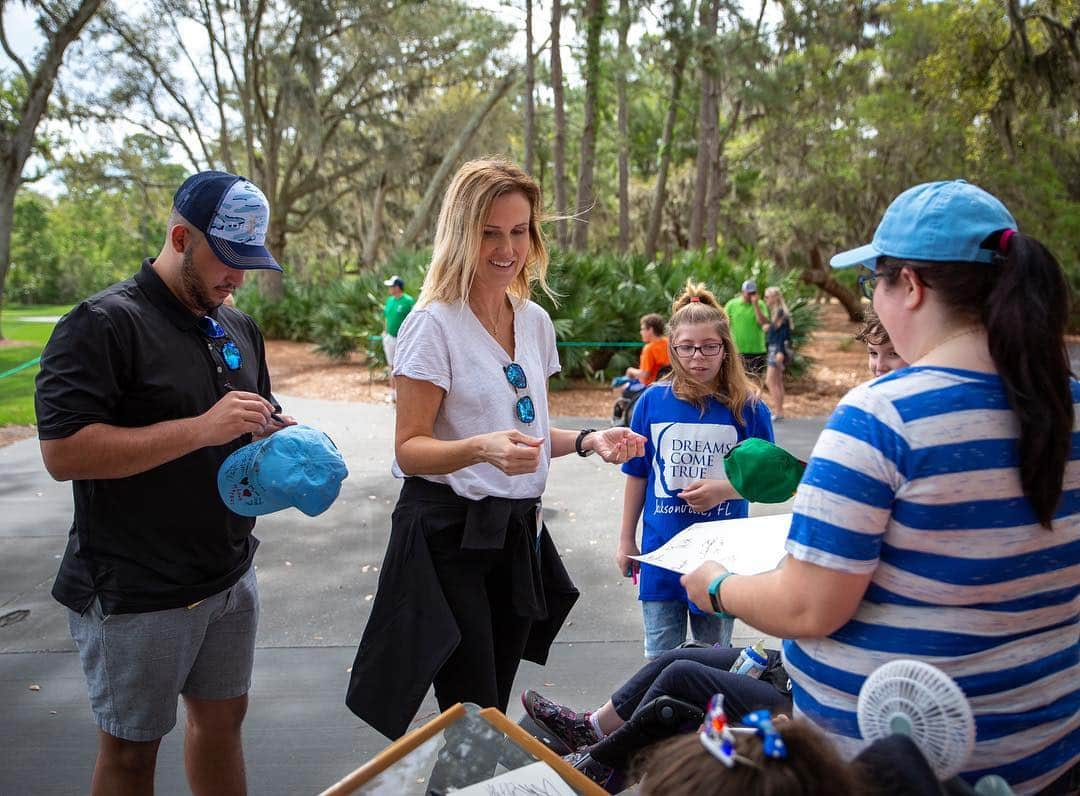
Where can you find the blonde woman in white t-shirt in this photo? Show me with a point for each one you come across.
(471, 582)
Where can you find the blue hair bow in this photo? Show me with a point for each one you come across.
(773, 745)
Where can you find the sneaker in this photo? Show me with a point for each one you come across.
(606, 777)
(573, 729)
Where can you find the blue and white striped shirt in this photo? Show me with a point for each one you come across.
(916, 479)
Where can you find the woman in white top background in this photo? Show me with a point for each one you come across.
(471, 582)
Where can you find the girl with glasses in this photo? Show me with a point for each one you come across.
(472, 582)
(690, 420)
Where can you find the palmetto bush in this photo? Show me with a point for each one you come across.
(600, 299)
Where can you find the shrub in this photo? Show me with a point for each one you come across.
(600, 298)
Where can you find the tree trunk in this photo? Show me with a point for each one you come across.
(680, 47)
(7, 218)
(374, 236)
(717, 187)
(270, 281)
(530, 90)
(423, 211)
(820, 275)
(559, 152)
(595, 12)
(17, 140)
(624, 127)
(706, 152)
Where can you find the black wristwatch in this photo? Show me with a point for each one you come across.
(581, 438)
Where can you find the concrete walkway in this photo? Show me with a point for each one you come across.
(317, 577)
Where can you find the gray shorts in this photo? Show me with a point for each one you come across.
(136, 665)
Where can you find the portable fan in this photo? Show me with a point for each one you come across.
(918, 700)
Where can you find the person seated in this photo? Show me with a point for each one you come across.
(655, 357)
(608, 735)
(780, 758)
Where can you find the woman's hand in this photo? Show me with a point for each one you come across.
(707, 494)
(616, 445)
(511, 451)
(697, 583)
(627, 566)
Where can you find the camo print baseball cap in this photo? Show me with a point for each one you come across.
(232, 213)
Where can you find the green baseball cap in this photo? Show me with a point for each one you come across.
(762, 472)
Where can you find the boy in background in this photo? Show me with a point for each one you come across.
(879, 348)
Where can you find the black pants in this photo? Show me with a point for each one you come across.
(693, 675)
(477, 586)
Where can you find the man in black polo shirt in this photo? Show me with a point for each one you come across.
(144, 390)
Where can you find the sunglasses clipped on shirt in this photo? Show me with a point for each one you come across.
(227, 348)
(523, 407)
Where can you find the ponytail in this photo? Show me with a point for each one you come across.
(1022, 299)
(1025, 317)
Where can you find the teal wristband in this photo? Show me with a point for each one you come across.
(714, 597)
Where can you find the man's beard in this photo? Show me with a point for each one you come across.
(197, 296)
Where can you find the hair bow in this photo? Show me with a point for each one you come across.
(773, 744)
(716, 735)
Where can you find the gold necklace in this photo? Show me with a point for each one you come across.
(494, 327)
(951, 337)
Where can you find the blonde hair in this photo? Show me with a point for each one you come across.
(459, 231)
(775, 291)
(732, 388)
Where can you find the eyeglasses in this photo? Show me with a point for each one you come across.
(867, 283)
(228, 350)
(685, 350)
(523, 407)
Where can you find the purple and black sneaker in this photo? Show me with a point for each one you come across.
(572, 729)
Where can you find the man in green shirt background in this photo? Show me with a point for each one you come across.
(748, 317)
(397, 307)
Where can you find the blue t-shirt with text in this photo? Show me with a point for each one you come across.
(682, 446)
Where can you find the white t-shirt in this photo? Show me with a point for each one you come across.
(446, 345)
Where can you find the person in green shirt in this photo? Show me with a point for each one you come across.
(748, 316)
(398, 305)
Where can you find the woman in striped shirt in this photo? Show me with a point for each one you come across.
(939, 516)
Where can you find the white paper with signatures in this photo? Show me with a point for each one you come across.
(744, 546)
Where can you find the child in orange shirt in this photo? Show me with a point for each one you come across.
(655, 354)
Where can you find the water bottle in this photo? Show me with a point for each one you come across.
(752, 660)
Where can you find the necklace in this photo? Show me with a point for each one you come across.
(951, 337)
(493, 327)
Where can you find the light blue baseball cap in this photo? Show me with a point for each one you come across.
(298, 466)
(936, 222)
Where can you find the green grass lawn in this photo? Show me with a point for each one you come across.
(24, 340)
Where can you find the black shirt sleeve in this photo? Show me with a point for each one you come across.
(79, 383)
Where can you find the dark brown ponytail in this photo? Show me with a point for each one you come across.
(1022, 299)
(1025, 318)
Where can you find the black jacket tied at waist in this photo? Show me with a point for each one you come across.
(412, 631)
